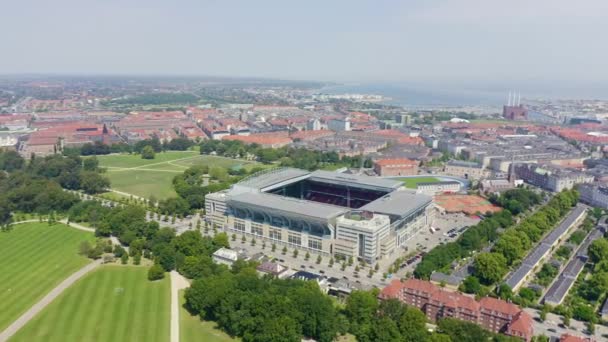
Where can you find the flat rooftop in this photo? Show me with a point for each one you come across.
(374, 183)
(270, 202)
(398, 203)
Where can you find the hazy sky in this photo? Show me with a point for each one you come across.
(324, 40)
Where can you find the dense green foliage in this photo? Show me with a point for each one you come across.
(284, 156)
(473, 239)
(462, 331)
(517, 200)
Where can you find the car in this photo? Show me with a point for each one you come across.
(281, 260)
(321, 271)
(312, 267)
(345, 278)
(552, 330)
(302, 266)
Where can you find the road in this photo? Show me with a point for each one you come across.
(178, 282)
(36, 308)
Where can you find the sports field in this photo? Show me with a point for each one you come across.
(192, 329)
(34, 258)
(111, 304)
(411, 182)
(146, 177)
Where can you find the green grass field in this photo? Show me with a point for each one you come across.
(412, 182)
(35, 257)
(145, 177)
(192, 329)
(113, 303)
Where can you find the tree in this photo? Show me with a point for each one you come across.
(221, 240)
(137, 259)
(470, 285)
(124, 258)
(156, 272)
(295, 253)
(274, 247)
(412, 325)
(90, 164)
(598, 250)
(319, 259)
(93, 183)
(307, 256)
(233, 237)
(148, 152)
(284, 251)
(490, 267)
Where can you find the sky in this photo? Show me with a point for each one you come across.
(331, 40)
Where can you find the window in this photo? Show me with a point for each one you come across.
(315, 244)
(294, 239)
(240, 226)
(275, 234)
(256, 229)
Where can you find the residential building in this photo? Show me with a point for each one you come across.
(549, 177)
(595, 194)
(492, 314)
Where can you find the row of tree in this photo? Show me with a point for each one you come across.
(515, 243)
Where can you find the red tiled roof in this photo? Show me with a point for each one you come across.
(498, 305)
(571, 338)
(522, 323)
(392, 290)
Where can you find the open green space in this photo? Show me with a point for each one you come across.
(35, 258)
(126, 160)
(192, 328)
(146, 177)
(144, 183)
(113, 303)
(412, 182)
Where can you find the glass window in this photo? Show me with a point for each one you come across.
(294, 239)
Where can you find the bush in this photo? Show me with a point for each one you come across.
(156, 272)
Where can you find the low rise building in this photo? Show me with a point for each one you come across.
(493, 314)
(396, 167)
(496, 185)
(225, 256)
(433, 188)
(465, 169)
(594, 194)
(549, 177)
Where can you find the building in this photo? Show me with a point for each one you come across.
(594, 194)
(493, 314)
(433, 188)
(225, 256)
(549, 177)
(496, 185)
(324, 212)
(515, 113)
(271, 268)
(464, 169)
(571, 338)
(396, 167)
(339, 124)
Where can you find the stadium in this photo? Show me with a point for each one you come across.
(324, 212)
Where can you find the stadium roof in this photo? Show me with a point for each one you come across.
(398, 203)
(289, 205)
(270, 177)
(349, 179)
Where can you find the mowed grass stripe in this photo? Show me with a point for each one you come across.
(65, 319)
(47, 267)
(35, 258)
(109, 304)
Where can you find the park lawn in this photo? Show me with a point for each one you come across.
(126, 160)
(113, 304)
(413, 181)
(144, 178)
(143, 183)
(35, 257)
(193, 329)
